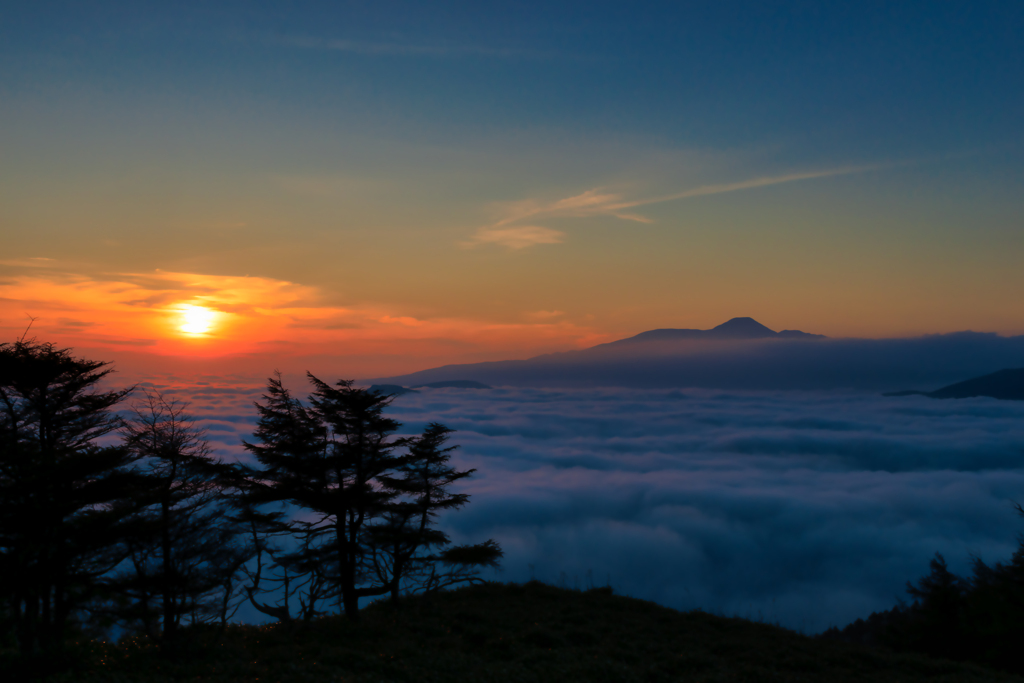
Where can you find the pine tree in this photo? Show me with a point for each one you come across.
(938, 613)
(365, 501)
(326, 460)
(405, 546)
(59, 529)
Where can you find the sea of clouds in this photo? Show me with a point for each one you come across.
(808, 509)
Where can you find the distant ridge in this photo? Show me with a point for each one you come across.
(744, 354)
(398, 390)
(453, 384)
(392, 389)
(1006, 385)
(735, 329)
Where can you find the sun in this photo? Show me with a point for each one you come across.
(196, 320)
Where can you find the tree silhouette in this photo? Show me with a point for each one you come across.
(61, 493)
(980, 618)
(187, 548)
(145, 531)
(405, 547)
(325, 459)
(365, 508)
(940, 610)
(290, 576)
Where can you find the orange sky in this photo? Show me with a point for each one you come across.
(189, 322)
(255, 323)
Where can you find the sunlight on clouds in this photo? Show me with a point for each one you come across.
(600, 202)
(517, 237)
(198, 315)
(590, 203)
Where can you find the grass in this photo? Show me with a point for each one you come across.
(509, 632)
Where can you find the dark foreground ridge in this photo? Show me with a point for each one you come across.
(1007, 385)
(509, 632)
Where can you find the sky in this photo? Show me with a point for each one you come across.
(375, 188)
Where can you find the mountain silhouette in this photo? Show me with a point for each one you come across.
(1007, 385)
(735, 329)
(744, 354)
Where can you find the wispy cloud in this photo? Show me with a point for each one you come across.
(750, 184)
(401, 49)
(30, 262)
(517, 237)
(508, 232)
(590, 203)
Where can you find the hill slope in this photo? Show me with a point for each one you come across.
(500, 632)
(1005, 384)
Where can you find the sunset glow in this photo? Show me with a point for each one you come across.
(259, 321)
(679, 283)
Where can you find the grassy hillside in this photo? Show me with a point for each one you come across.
(499, 632)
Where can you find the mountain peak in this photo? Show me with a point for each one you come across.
(742, 328)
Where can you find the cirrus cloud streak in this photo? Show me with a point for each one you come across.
(509, 232)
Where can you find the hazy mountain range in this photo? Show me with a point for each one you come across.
(744, 354)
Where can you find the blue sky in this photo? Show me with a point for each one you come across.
(911, 77)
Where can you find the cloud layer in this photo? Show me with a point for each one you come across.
(809, 509)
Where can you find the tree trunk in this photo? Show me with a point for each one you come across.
(396, 579)
(61, 612)
(346, 570)
(46, 621)
(170, 618)
(28, 623)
